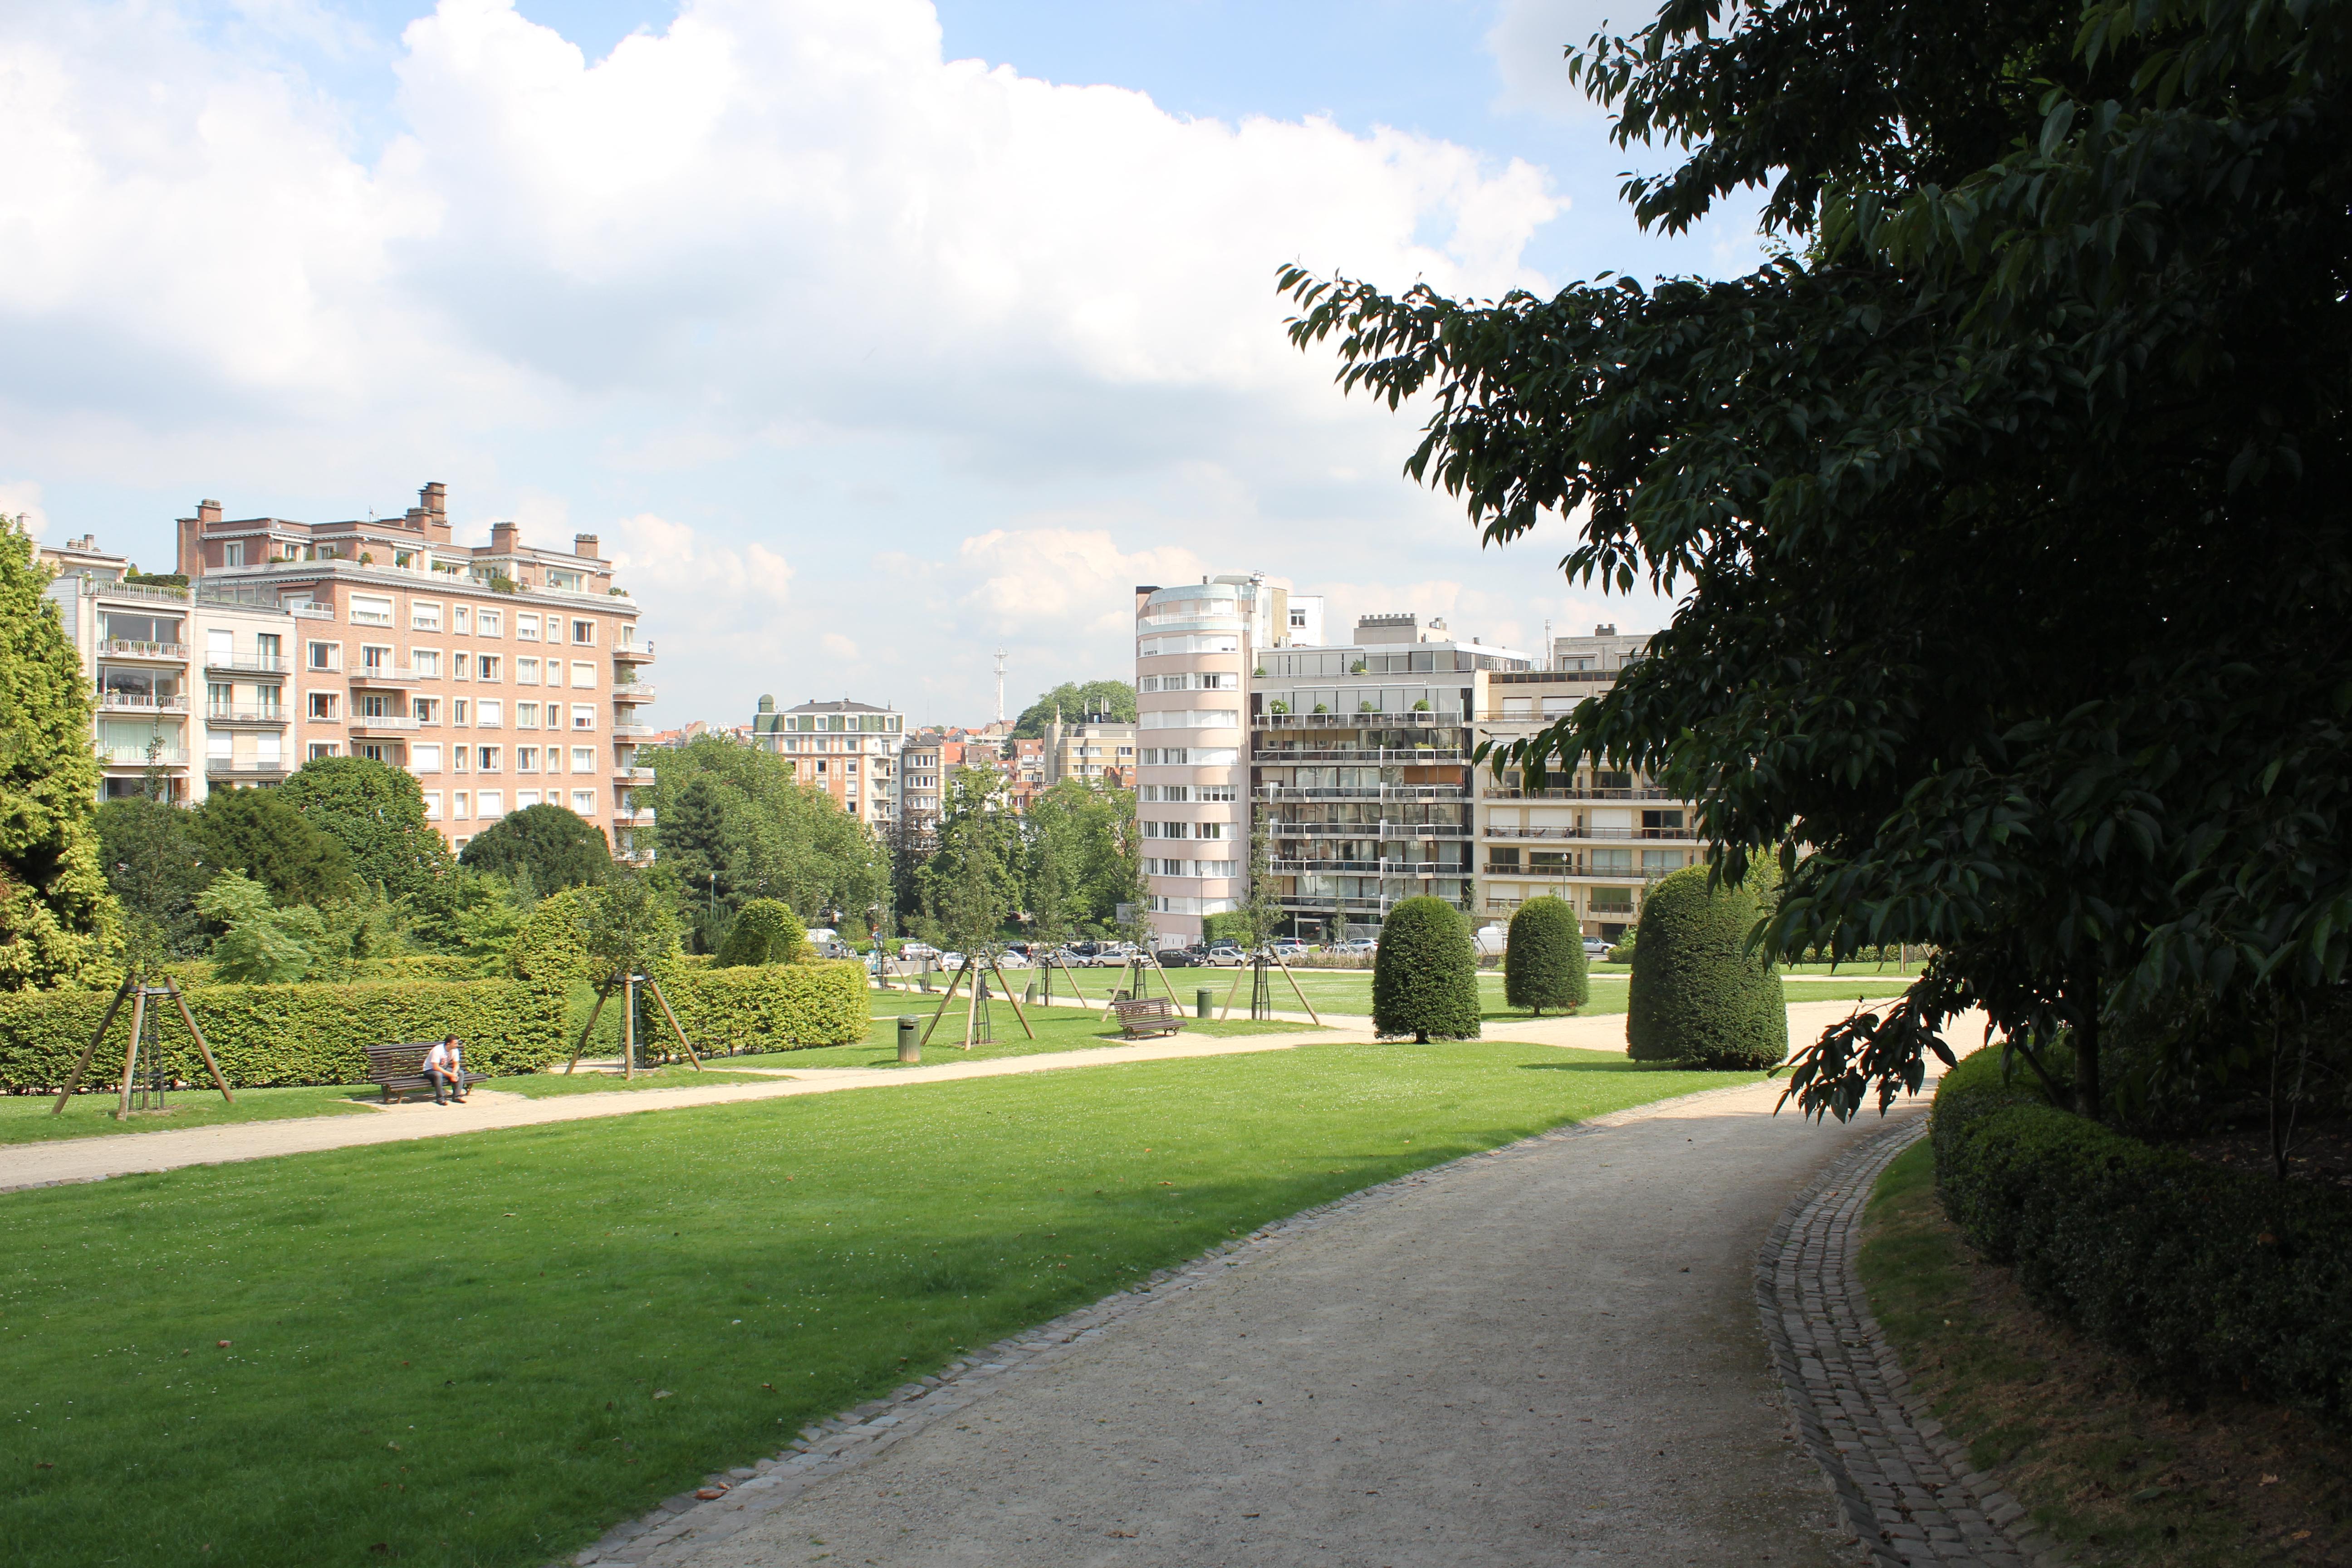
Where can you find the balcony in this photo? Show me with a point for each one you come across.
(385, 675)
(1405, 718)
(1500, 792)
(137, 648)
(633, 731)
(1401, 830)
(137, 757)
(247, 664)
(1684, 835)
(140, 702)
(634, 691)
(640, 653)
(312, 612)
(1367, 868)
(134, 591)
(1627, 876)
(634, 816)
(269, 718)
(1423, 757)
(633, 775)
(234, 772)
(1367, 792)
(382, 724)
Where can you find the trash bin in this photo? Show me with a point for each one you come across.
(1202, 1005)
(911, 1049)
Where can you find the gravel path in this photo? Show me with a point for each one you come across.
(1546, 1355)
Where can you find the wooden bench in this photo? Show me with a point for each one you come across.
(1150, 1016)
(399, 1069)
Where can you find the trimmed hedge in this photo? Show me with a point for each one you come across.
(277, 1035)
(1543, 962)
(766, 931)
(1425, 975)
(768, 1007)
(1699, 995)
(2209, 1277)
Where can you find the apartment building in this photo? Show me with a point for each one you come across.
(192, 694)
(920, 774)
(502, 675)
(1196, 649)
(1360, 771)
(849, 750)
(1596, 837)
(1100, 750)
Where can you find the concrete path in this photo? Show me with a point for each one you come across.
(1548, 1355)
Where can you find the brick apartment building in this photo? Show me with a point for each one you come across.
(849, 750)
(501, 676)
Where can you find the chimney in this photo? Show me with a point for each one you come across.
(434, 497)
(584, 545)
(208, 511)
(1606, 629)
(191, 542)
(503, 539)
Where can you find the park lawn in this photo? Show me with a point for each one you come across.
(608, 1080)
(449, 1351)
(1059, 1029)
(26, 1118)
(1349, 991)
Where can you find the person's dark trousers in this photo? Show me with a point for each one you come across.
(444, 1079)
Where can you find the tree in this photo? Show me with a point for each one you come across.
(2004, 510)
(1111, 702)
(261, 945)
(1078, 845)
(972, 880)
(1699, 994)
(57, 917)
(550, 949)
(155, 863)
(1425, 975)
(377, 813)
(556, 847)
(626, 927)
(767, 932)
(732, 825)
(1543, 960)
(256, 832)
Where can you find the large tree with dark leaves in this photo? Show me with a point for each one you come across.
(2006, 511)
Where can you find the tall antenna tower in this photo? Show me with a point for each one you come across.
(1547, 644)
(999, 686)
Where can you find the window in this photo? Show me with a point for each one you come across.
(432, 805)
(232, 554)
(425, 662)
(525, 799)
(218, 746)
(374, 705)
(371, 610)
(526, 761)
(489, 622)
(375, 659)
(584, 716)
(485, 759)
(1210, 830)
(220, 698)
(583, 633)
(1214, 793)
(526, 713)
(267, 648)
(460, 711)
(459, 757)
(526, 629)
(486, 667)
(489, 803)
(487, 714)
(526, 672)
(424, 709)
(584, 674)
(1658, 862)
(583, 802)
(1612, 900)
(1214, 869)
(460, 805)
(425, 758)
(1612, 862)
(461, 618)
(461, 666)
(325, 655)
(325, 705)
(424, 616)
(325, 748)
(584, 758)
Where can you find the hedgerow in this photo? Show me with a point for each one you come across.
(2208, 1277)
(768, 1007)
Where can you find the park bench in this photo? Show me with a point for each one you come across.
(399, 1069)
(1152, 1015)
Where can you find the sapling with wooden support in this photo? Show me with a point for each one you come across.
(628, 983)
(137, 989)
(972, 999)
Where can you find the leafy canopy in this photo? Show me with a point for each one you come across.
(2006, 520)
(377, 813)
(255, 832)
(154, 862)
(1108, 700)
(733, 825)
(556, 848)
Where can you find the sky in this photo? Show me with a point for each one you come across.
(870, 336)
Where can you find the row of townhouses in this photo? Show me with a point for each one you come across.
(1353, 758)
(502, 675)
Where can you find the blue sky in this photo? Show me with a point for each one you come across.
(872, 336)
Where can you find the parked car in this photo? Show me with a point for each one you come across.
(1176, 958)
(1355, 947)
(916, 951)
(952, 961)
(1224, 955)
(1594, 947)
(1290, 948)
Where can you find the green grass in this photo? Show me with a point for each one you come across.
(451, 1347)
(1347, 992)
(608, 1080)
(26, 1118)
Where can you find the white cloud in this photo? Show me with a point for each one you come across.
(1528, 41)
(22, 498)
(693, 573)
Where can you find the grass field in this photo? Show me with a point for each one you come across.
(1347, 992)
(449, 1351)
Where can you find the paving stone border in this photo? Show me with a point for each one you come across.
(1906, 1490)
(675, 1531)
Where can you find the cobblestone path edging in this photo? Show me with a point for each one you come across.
(677, 1530)
(1907, 1491)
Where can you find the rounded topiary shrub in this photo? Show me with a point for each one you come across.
(1425, 975)
(1699, 995)
(1543, 966)
(766, 931)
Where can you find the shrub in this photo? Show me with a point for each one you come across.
(1543, 959)
(765, 931)
(557, 847)
(2209, 1277)
(276, 1035)
(766, 1008)
(1698, 995)
(552, 948)
(1621, 951)
(1425, 975)
(256, 832)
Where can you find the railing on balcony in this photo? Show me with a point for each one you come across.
(134, 591)
(638, 651)
(140, 702)
(1403, 719)
(1504, 792)
(389, 722)
(221, 713)
(247, 663)
(137, 756)
(389, 674)
(230, 768)
(1685, 834)
(633, 775)
(1631, 876)
(1365, 792)
(312, 612)
(1368, 868)
(139, 647)
(633, 731)
(1421, 756)
(634, 691)
(1278, 829)
(634, 816)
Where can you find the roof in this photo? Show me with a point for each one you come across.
(844, 706)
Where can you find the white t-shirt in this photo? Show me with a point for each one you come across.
(441, 1056)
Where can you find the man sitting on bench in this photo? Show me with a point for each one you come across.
(445, 1064)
